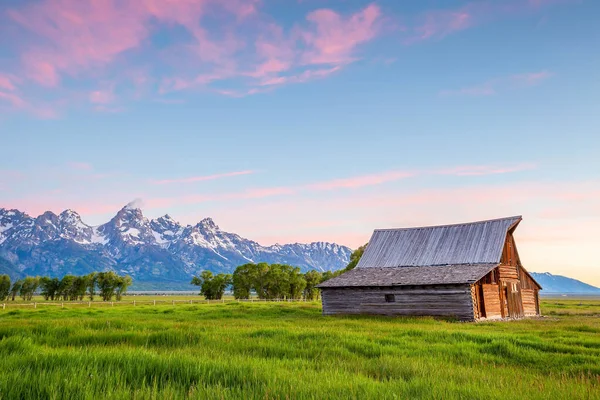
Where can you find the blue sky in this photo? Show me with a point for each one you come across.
(310, 120)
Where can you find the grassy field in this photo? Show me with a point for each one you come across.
(289, 351)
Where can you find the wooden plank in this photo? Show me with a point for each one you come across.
(491, 300)
(446, 301)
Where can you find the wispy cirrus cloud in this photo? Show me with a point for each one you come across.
(438, 23)
(80, 166)
(203, 178)
(351, 183)
(496, 85)
(480, 170)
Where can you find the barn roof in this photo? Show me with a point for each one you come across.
(468, 243)
(402, 276)
(446, 254)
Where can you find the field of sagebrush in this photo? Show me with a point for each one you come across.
(289, 351)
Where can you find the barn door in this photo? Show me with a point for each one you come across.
(514, 300)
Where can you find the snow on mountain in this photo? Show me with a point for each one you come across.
(150, 250)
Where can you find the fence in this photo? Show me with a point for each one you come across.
(135, 303)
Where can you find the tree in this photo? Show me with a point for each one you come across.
(312, 278)
(107, 284)
(28, 287)
(50, 287)
(91, 285)
(259, 278)
(212, 287)
(355, 257)
(122, 284)
(4, 287)
(16, 288)
(66, 289)
(297, 283)
(79, 287)
(242, 281)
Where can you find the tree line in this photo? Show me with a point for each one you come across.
(269, 281)
(106, 285)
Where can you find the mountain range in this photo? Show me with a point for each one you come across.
(562, 284)
(159, 251)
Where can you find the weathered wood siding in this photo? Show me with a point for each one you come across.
(435, 300)
(491, 299)
(530, 305)
(511, 291)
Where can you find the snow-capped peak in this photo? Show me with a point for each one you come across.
(208, 223)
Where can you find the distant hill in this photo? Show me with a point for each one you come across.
(561, 284)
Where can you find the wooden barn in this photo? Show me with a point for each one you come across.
(469, 271)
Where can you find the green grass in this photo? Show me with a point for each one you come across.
(290, 351)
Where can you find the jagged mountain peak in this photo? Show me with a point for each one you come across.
(208, 223)
(146, 249)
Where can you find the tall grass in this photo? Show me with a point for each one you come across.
(290, 351)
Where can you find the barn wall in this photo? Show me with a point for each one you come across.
(530, 307)
(436, 300)
(491, 299)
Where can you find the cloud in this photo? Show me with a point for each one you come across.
(229, 40)
(81, 166)
(102, 96)
(334, 38)
(6, 83)
(229, 47)
(493, 86)
(438, 23)
(194, 179)
(14, 99)
(352, 183)
(361, 181)
(136, 203)
(480, 170)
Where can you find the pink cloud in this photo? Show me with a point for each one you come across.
(436, 24)
(6, 83)
(442, 23)
(361, 181)
(202, 178)
(103, 96)
(334, 38)
(330, 185)
(13, 99)
(235, 48)
(530, 79)
(493, 86)
(478, 170)
(81, 166)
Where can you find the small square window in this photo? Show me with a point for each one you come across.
(390, 298)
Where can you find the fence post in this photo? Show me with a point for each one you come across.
(154, 302)
(134, 303)
(190, 301)
(89, 303)
(62, 305)
(173, 302)
(112, 303)
(3, 306)
(223, 301)
(34, 305)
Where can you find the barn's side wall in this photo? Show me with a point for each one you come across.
(508, 291)
(434, 300)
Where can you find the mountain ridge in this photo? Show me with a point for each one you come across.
(150, 250)
(563, 284)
